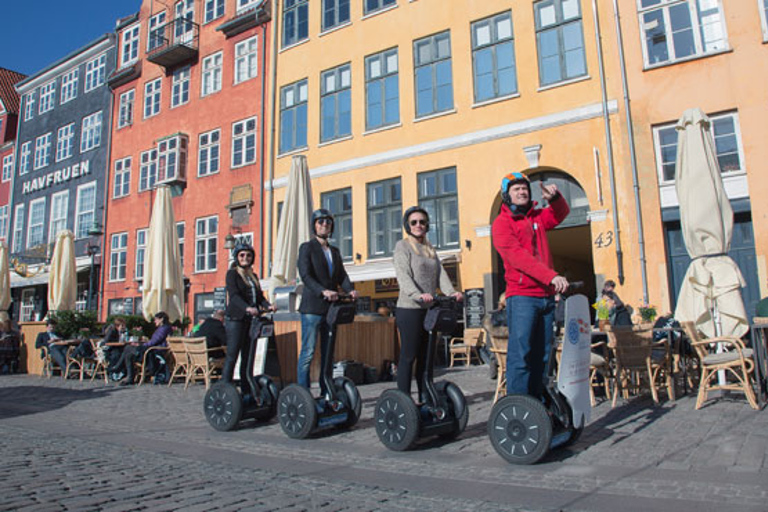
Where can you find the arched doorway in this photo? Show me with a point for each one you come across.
(570, 243)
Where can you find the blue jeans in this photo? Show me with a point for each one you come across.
(530, 321)
(310, 325)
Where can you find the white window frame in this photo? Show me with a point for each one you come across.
(156, 25)
(152, 97)
(180, 232)
(27, 306)
(56, 213)
(244, 5)
(90, 134)
(69, 83)
(184, 21)
(39, 223)
(211, 75)
(216, 11)
(18, 228)
(81, 213)
(29, 106)
(121, 184)
(141, 252)
(118, 256)
(210, 243)
(246, 59)
(65, 139)
(95, 70)
(172, 158)
(247, 138)
(8, 167)
(762, 6)
(24, 155)
(5, 211)
(180, 87)
(129, 45)
(125, 113)
(42, 151)
(47, 97)
(148, 170)
(207, 143)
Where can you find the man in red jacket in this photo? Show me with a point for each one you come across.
(519, 235)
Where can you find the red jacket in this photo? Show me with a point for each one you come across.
(521, 240)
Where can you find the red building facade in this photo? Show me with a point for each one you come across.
(9, 117)
(189, 111)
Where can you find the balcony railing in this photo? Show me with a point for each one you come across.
(174, 43)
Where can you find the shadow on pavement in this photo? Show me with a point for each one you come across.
(23, 400)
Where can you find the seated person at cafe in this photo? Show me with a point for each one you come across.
(9, 348)
(134, 352)
(619, 313)
(215, 334)
(45, 339)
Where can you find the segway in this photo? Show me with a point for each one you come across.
(299, 413)
(225, 405)
(399, 421)
(523, 429)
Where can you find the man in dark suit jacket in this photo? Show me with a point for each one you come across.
(322, 273)
(57, 352)
(215, 334)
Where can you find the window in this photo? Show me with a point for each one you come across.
(129, 52)
(244, 5)
(122, 182)
(4, 213)
(8, 167)
(206, 243)
(213, 9)
(246, 60)
(726, 133)
(35, 227)
(148, 171)
(335, 13)
(69, 85)
(141, 249)
(172, 158)
(156, 35)
(244, 142)
(85, 209)
(18, 228)
(180, 93)
(95, 72)
(493, 57)
(434, 82)
(676, 29)
(377, 5)
(152, 98)
(59, 213)
(336, 103)
(560, 41)
(339, 203)
(47, 97)
(90, 135)
(438, 195)
(295, 21)
(211, 74)
(29, 106)
(42, 150)
(64, 142)
(24, 158)
(384, 216)
(125, 117)
(118, 255)
(764, 16)
(208, 157)
(293, 116)
(180, 234)
(185, 17)
(382, 92)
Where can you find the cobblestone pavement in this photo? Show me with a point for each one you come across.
(68, 445)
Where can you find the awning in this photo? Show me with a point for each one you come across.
(17, 281)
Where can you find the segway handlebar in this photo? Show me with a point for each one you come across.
(439, 300)
(344, 298)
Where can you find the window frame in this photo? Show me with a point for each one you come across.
(118, 256)
(81, 214)
(126, 108)
(90, 132)
(296, 108)
(392, 230)
(245, 137)
(19, 213)
(211, 75)
(204, 151)
(382, 5)
(493, 45)
(156, 26)
(296, 10)
(180, 81)
(95, 72)
(25, 152)
(42, 151)
(153, 95)
(335, 11)
(52, 223)
(383, 58)
(69, 85)
(39, 223)
(65, 142)
(47, 97)
(172, 157)
(7, 167)
(432, 64)
(558, 25)
(341, 96)
(140, 253)
(217, 10)
(5, 213)
(122, 174)
(341, 236)
(434, 205)
(29, 106)
(210, 248)
(149, 167)
(180, 233)
(129, 44)
(247, 60)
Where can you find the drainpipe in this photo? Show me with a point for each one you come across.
(105, 216)
(263, 127)
(271, 196)
(609, 146)
(632, 155)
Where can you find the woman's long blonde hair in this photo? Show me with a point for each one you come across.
(424, 248)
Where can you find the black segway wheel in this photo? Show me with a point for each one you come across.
(296, 411)
(397, 420)
(520, 429)
(269, 393)
(350, 396)
(223, 406)
(458, 408)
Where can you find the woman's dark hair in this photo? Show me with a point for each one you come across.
(163, 316)
(609, 284)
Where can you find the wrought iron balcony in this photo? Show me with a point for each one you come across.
(174, 43)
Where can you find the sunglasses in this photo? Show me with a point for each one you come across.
(423, 222)
(324, 221)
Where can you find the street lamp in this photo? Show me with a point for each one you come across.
(92, 249)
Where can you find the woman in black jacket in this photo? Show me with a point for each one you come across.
(245, 298)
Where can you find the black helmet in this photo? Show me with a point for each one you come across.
(240, 247)
(410, 211)
(321, 213)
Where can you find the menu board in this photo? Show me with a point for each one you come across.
(219, 298)
(128, 306)
(474, 308)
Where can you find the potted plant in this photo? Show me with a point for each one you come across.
(647, 313)
(603, 313)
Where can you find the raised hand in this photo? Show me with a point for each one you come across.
(548, 191)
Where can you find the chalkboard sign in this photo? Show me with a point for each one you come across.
(219, 298)
(128, 306)
(363, 304)
(474, 308)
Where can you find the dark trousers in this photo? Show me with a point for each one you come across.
(59, 355)
(238, 343)
(131, 354)
(413, 347)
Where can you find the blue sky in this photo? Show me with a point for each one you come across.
(38, 33)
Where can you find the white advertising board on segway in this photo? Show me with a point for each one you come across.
(573, 379)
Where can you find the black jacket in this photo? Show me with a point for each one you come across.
(43, 339)
(239, 296)
(213, 330)
(313, 269)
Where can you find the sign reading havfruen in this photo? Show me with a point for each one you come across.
(64, 175)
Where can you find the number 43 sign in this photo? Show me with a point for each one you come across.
(604, 239)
